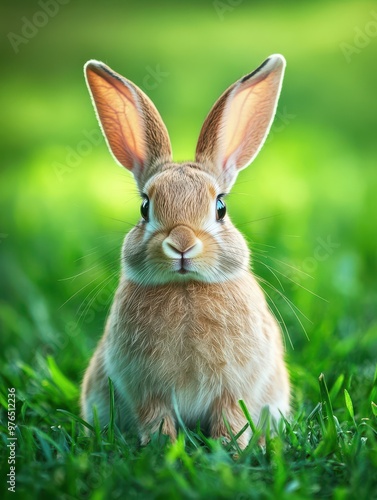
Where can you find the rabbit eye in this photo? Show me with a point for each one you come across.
(144, 209)
(220, 208)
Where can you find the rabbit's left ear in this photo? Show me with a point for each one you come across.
(238, 124)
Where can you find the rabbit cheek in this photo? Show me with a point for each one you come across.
(206, 263)
(134, 256)
(234, 257)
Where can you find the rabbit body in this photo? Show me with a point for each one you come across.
(190, 332)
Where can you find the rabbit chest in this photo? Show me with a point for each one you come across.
(189, 338)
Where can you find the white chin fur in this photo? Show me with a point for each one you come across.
(155, 277)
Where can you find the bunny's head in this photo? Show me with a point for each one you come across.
(184, 233)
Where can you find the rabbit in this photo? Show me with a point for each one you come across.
(189, 333)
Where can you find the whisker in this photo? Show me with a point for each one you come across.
(98, 264)
(282, 322)
(272, 271)
(99, 289)
(259, 220)
(298, 284)
(75, 276)
(290, 266)
(78, 291)
(291, 305)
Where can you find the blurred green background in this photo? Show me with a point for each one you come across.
(307, 204)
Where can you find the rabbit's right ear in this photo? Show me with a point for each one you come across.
(132, 126)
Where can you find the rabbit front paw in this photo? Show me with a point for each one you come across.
(153, 419)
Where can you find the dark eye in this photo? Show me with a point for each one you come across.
(144, 209)
(220, 208)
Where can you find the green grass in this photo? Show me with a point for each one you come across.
(327, 450)
(314, 183)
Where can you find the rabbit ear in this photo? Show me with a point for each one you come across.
(238, 123)
(132, 126)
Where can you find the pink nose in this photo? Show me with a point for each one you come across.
(182, 242)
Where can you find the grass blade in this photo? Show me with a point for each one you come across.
(76, 418)
(233, 439)
(110, 431)
(247, 415)
(349, 405)
(329, 442)
(69, 390)
(374, 408)
(336, 387)
(187, 433)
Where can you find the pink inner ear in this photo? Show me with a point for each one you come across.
(246, 121)
(119, 117)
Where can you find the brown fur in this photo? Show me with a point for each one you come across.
(189, 332)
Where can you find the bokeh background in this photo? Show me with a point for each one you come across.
(307, 204)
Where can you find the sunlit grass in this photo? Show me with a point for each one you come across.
(329, 448)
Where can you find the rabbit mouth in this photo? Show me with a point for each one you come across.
(184, 266)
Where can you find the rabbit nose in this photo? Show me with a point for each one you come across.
(182, 243)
